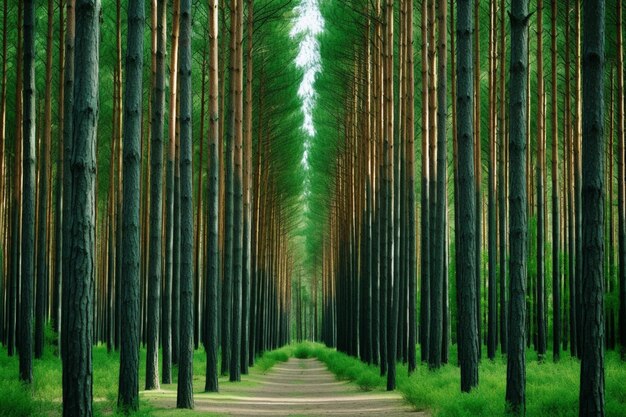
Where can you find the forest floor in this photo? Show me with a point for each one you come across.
(298, 387)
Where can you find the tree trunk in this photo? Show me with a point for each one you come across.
(237, 93)
(42, 234)
(185, 362)
(621, 182)
(388, 179)
(593, 148)
(478, 167)
(540, 293)
(412, 261)
(466, 275)
(492, 312)
(425, 198)
(502, 188)
(28, 197)
(247, 172)
(171, 204)
(437, 277)
(78, 376)
(516, 358)
(212, 247)
(556, 238)
(128, 398)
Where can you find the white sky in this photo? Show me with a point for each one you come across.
(309, 23)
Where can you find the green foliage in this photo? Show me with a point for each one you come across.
(303, 351)
(269, 359)
(552, 389)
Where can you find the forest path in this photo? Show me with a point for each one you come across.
(298, 387)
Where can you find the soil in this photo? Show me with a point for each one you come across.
(299, 387)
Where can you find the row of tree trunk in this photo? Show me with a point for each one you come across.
(135, 262)
(369, 244)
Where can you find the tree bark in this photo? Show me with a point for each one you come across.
(28, 197)
(42, 234)
(128, 396)
(212, 248)
(593, 148)
(77, 371)
(466, 275)
(516, 358)
(556, 237)
(185, 363)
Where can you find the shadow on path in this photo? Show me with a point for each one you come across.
(299, 387)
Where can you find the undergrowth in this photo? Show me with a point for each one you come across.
(551, 389)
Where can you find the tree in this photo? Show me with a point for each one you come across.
(212, 250)
(621, 210)
(466, 275)
(516, 357)
(425, 197)
(28, 197)
(593, 154)
(492, 309)
(77, 372)
(156, 209)
(540, 173)
(42, 250)
(185, 362)
(437, 276)
(128, 396)
(411, 194)
(237, 95)
(556, 237)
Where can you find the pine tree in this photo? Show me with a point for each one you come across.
(128, 396)
(185, 363)
(77, 372)
(593, 154)
(516, 355)
(466, 275)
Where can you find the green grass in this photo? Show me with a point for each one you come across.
(43, 398)
(552, 389)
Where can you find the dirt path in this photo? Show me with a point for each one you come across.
(299, 387)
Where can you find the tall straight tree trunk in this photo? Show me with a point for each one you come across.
(42, 235)
(247, 191)
(185, 362)
(502, 188)
(540, 174)
(466, 275)
(212, 248)
(28, 197)
(556, 237)
(235, 360)
(478, 167)
(516, 358)
(578, 179)
(157, 124)
(155, 267)
(593, 154)
(573, 328)
(621, 182)
(425, 198)
(128, 396)
(229, 136)
(68, 128)
(77, 371)
(492, 312)
(437, 278)
(392, 280)
(171, 217)
(412, 261)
